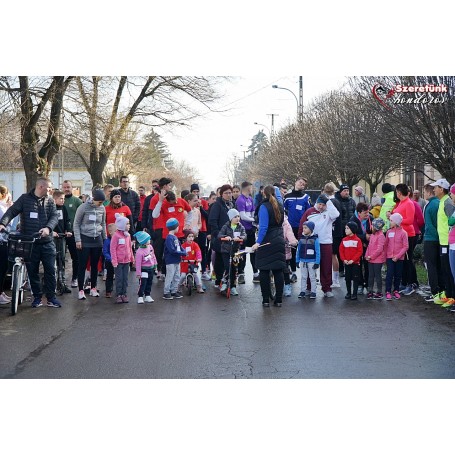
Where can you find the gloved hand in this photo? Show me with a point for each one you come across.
(298, 265)
(315, 266)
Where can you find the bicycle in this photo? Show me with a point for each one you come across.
(20, 249)
(234, 260)
(190, 280)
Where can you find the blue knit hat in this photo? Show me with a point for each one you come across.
(171, 224)
(142, 237)
(309, 225)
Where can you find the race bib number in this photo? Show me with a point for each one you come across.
(310, 251)
(33, 214)
(144, 275)
(70, 205)
(92, 217)
(171, 209)
(350, 243)
(298, 207)
(60, 214)
(121, 241)
(188, 249)
(444, 250)
(391, 235)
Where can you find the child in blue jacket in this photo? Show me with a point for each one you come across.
(309, 255)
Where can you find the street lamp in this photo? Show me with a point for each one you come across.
(299, 110)
(261, 124)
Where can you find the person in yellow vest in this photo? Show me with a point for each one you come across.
(388, 204)
(445, 211)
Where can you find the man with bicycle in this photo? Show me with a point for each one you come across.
(38, 213)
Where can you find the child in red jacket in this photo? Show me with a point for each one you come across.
(193, 253)
(351, 251)
(396, 246)
(375, 255)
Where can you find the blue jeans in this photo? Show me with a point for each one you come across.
(44, 252)
(394, 272)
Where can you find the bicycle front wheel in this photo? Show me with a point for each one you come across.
(189, 283)
(18, 291)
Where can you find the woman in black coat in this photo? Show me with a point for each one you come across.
(271, 256)
(218, 217)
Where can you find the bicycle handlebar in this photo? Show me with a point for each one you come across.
(33, 237)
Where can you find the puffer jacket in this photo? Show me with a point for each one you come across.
(131, 199)
(34, 215)
(218, 217)
(347, 209)
(89, 221)
(226, 231)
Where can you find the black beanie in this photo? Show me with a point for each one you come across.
(194, 186)
(114, 192)
(352, 225)
(387, 188)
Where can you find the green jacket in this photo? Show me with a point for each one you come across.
(388, 205)
(430, 213)
(71, 204)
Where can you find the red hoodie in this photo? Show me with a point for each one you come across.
(351, 249)
(407, 210)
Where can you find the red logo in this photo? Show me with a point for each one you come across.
(383, 94)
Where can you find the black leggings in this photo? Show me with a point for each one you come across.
(264, 278)
(3, 264)
(84, 253)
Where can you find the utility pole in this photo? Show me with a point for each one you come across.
(272, 129)
(300, 113)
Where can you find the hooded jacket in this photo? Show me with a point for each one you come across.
(322, 222)
(396, 243)
(90, 221)
(218, 217)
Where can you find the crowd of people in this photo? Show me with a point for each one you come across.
(118, 230)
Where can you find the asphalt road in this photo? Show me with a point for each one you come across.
(208, 336)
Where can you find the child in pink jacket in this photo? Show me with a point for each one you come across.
(396, 246)
(121, 256)
(145, 266)
(290, 239)
(375, 255)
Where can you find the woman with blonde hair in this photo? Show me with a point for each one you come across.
(271, 257)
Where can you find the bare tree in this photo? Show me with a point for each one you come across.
(104, 108)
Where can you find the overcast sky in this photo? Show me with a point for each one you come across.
(214, 139)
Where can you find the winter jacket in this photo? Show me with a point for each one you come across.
(308, 249)
(347, 209)
(445, 211)
(387, 206)
(375, 249)
(296, 203)
(218, 217)
(64, 224)
(430, 215)
(272, 255)
(131, 199)
(351, 249)
(375, 211)
(145, 259)
(89, 221)
(407, 210)
(72, 203)
(289, 238)
(107, 249)
(121, 248)
(173, 252)
(193, 253)
(226, 231)
(396, 243)
(322, 222)
(35, 214)
(363, 227)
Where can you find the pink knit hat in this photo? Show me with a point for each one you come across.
(452, 189)
(396, 218)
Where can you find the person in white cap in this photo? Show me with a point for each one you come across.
(445, 211)
(360, 196)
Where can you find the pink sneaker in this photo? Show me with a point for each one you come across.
(388, 296)
(396, 295)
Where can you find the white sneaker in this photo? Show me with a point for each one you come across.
(328, 294)
(234, 291)
(336, 284)
(148, 298)
(6, 297)
(206, 276)
(81, 295)
(140, 300)
(94, 293)
(74, 283)
(4, 301)
(224, 287)
(256, 277)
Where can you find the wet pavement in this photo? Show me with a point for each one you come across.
(208, 336)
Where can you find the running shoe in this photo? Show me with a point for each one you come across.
(312, 295)
(74, 283)
(396, 295)
(287, 290)
(328, 294)
(125, 298)
(81, 295)
(256, 278)
(378, 296)
(293, 278)
(37, 302)
(94, 292)
(370, 296)
(234, 291)
(54, 303)
(178, 295)
(450, 302)
(409, 290)
(140, 300)
(241, 278)
(388, 296)
(148, 299)
(302, 295)
(3, 296)
(336, 284)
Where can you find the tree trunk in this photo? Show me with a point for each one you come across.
(97, 168)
